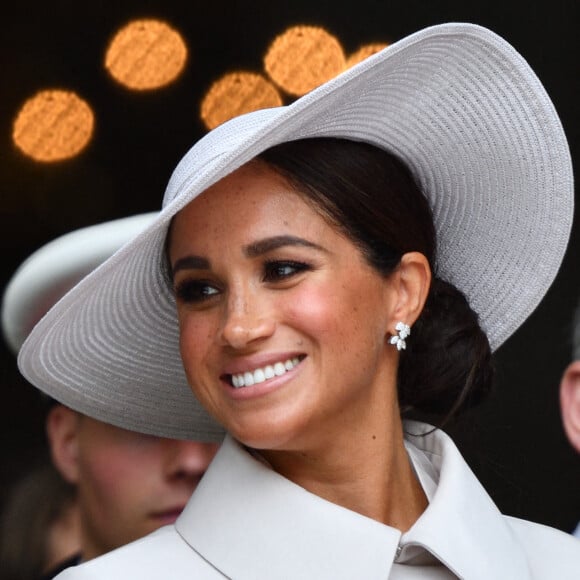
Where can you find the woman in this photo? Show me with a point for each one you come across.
(317, 271)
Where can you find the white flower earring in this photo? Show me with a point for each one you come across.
(403, 331)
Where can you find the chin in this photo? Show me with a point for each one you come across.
(271, 435)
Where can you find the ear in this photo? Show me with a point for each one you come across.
(412, 279)
(570, 403)
(62, 429)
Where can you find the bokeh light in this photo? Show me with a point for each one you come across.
(237, 93)
(302, 58)
(364, 52)
(53, 125)
(146, 55)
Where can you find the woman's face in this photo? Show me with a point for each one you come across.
(283, 324)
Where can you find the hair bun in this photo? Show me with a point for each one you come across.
(447, 367)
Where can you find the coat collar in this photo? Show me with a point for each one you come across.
(461, 527)
(249, 522)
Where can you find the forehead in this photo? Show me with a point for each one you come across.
(252, 180)
(254, 200)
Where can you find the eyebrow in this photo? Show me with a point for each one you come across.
(262, 247)
(253, 250)
(190, 263)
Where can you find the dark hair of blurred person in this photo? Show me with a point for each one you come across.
(39, 525)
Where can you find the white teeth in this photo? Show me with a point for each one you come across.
(260, 375)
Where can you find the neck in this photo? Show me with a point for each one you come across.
(367, 471)
(91, 544)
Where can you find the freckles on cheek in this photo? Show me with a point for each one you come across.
(194, 339)
(195, 342)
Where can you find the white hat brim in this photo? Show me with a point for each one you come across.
(52, 270)
(456, 102)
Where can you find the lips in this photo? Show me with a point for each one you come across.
(261, 374)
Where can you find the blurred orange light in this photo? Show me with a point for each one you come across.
(303, 58)
(237, 93)
(146, 55)
(53, 125)
(364, 52)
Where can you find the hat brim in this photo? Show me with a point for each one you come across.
(51, 271)
(456, 102)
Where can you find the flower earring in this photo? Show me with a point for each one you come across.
(403, 331)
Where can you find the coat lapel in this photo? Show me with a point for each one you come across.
(250, 523)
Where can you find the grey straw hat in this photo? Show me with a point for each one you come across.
(52, 270)
(456, 102)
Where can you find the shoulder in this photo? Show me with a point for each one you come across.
(550, 552)
(147, 559)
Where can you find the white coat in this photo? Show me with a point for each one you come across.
(246, 522)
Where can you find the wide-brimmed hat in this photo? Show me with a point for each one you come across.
(52, 270)
(465, 112)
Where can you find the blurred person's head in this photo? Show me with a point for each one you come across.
(39, 524)
(128, 484)
(570, 389)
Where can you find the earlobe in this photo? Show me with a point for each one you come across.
(414, 280)
(570, 403)
(62, 425)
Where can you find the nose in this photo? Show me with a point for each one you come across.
(188, 460)
(246, 320)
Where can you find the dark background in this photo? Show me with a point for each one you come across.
(515, 443)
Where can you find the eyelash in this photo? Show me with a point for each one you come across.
(273, 269)
(194, 291)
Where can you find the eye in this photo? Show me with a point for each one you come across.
(195, 291)
(283, 269)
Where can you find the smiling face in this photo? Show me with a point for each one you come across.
(284, 326)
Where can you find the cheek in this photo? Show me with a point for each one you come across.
(118, 473)
(107, 474)
(196, 335)
(317, 313)
(196, 339)
(344, 320)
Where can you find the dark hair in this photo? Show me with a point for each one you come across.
(371, 195)
(35, 503)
